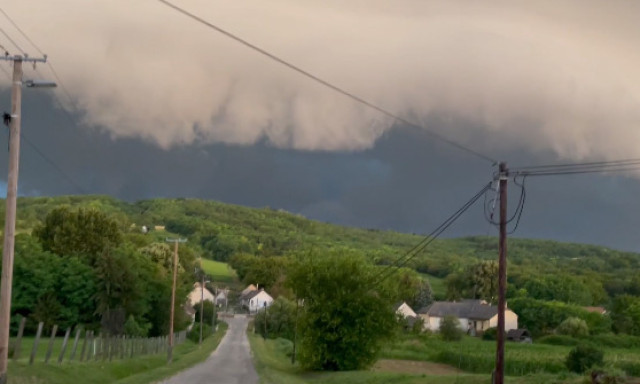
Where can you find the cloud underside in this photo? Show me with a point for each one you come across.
(547, 76)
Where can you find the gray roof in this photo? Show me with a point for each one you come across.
(466, 309)
(517, 334)
(251, 295)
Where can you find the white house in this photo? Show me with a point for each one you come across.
(403, 309)
(474, 315)
(256, 300)
(195, 296)
(222, 298)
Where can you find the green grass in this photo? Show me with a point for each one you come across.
(143, 369)
(273, 363)
(219, 271)
(477, 356)
(438, 286)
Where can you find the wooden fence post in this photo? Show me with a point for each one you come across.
(35, 343)
(64, 345)
(75, 344)
(18, 344)
(105, 347)
(84, 345)
(97, 349)
(52, 340)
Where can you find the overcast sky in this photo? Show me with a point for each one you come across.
(159, 106)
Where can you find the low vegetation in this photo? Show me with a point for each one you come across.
(477, 356)
(140, 370)
(83, 273)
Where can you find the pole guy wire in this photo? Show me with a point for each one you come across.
(415, 251)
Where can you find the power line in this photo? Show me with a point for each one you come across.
(576, 171)
(324, 82)
(53, 71)
(54, 165)
(415, 251)
(21, 31)
(595, 163)
(12, 41)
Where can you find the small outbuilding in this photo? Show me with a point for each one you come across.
(519, 335)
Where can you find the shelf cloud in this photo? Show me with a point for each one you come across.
(545, 75)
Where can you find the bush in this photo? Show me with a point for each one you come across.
(132, 328)
(450, 328)
(583, 357)
(281, 317)
(194, 334)
(573, 327)
(559, 340)
(207, 313)
(490, 334)
(616, 341)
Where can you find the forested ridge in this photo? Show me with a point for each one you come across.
(217, 231)
(50, 253)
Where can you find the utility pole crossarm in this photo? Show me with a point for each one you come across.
(24, 58)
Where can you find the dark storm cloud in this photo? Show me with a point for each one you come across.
(406, 182)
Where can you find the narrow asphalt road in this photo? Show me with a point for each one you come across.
(230, 363)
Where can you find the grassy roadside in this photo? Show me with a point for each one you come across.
(140, 370)
(273, 364)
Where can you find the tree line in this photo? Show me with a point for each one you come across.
(82, 267)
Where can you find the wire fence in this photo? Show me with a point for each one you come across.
(85, 345)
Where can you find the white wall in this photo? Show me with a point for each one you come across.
(196, 295)
(405, 311)
(433, 323)
(510, 320)
(257, 302)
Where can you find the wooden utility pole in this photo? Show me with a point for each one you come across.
(265, 321)
(10, 218)
(173, 295)
(295, 334)
(201, 306)
(502, 274)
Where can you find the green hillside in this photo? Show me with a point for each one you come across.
(217, 231)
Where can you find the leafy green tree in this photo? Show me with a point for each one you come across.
(83, 232)
(134, 329)
(479, 281)
(484, 280)
(563, 287)
(573, 327)
(207, 312)
(625, 314)
(281, 318)
(543, 317)
(450, 328)
(266, 271)
(50, 288)
(242, 263)
(583, 357)
(161, 254)
(345, 318)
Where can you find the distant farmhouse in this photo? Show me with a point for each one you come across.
(403, 310)
(475, 316)
(255, 300)
(222, 299)
(195, 296)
